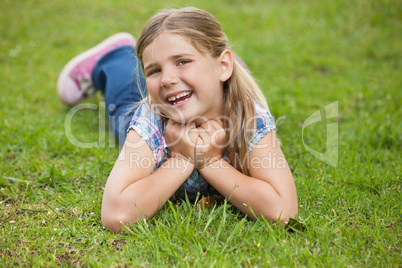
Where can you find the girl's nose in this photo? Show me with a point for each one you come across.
(169, 78)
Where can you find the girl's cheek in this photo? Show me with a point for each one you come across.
(155, 98)
(152, 89)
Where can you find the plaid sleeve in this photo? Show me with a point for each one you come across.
(148, 124)
(264, 124)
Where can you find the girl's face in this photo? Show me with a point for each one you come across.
(184, 84)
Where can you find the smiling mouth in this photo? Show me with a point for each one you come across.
(179, 98)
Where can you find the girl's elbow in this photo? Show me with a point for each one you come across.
(115, 221)
(281, 213)
(289, 209)
(111, 222)
(287, 214)
(114, 217)
(281, 216)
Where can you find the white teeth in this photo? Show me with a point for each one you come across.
(174, 103)
(178, 96)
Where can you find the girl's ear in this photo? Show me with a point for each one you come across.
(226, 65)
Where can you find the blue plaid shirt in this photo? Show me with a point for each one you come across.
(148, 124)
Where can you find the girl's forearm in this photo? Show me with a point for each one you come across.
(143, 198)
(250, 195)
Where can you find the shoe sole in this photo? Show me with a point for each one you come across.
(77, 59)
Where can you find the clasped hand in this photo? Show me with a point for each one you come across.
(200, 145)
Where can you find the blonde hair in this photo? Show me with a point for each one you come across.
(205, 33)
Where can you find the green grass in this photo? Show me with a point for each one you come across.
(305, 54)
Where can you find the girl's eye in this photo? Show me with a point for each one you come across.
(182, 62)
(153, 72)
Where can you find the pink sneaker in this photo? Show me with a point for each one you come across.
(75, 80)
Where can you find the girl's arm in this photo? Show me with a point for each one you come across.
(269, 190)
(132, 191)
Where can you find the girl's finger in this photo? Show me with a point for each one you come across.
(219, 121)
(206, 126)
(202, 134)
(216, 124)
(191, 125)
(193, 133)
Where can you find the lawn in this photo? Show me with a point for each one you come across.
(307, 55)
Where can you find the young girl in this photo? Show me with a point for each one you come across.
(203, 129)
